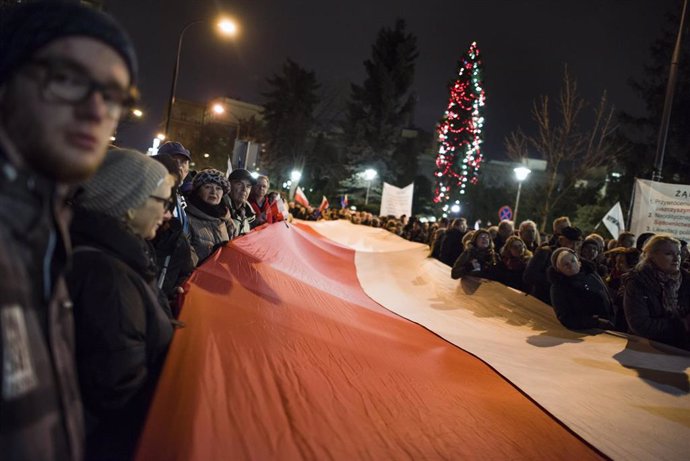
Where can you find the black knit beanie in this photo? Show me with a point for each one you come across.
(26, 28)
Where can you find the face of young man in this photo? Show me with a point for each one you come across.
(64, 140)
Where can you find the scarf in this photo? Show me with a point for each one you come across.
(670, 283)
(216, 211)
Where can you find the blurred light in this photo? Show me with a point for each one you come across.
(218, 109)
(206, 156)
(161, 136)
(616, 175)
(353, 208)
(227, 27)
(255, 174)
(296, 175)
(455, 208)
(521, 173)
(370, 174)
(112, 139)
(137, 113)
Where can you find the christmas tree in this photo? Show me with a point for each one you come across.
(460, 133)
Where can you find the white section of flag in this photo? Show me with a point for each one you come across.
(614, 220)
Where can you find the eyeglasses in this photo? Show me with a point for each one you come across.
(64, 81)
(168, 203)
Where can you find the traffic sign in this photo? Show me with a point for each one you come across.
(505, 212)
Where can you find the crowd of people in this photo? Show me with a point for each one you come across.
(98, 241)
(633, 284)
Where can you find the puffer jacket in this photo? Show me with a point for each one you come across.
(207, 231)
(581, 301)
(122, 331)
(644, 309)
(40, 407)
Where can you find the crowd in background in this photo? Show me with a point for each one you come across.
(636, 284)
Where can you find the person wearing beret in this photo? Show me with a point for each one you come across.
(123, 325)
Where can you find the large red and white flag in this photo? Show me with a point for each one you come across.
(300, 197)
(324, 204)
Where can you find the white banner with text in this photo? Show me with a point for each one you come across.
(661, 208)
(396, 201)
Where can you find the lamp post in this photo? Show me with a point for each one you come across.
(226, 26)
(521, 174)
(369, 175)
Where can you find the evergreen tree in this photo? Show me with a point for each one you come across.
(289, 120)
(383, 105)
(460, 133)
(642, 132)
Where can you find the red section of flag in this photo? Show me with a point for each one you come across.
(285, 357)
(324, 204)
(300, 197)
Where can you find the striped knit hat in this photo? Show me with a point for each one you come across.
(125, 180)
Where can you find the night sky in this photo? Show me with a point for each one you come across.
(524, 44)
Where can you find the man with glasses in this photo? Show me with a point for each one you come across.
(67, 74)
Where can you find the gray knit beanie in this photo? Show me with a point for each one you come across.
(124, 181)
(27, 27)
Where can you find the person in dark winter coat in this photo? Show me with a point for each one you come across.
(535, 276)
(451, 246)
(67, 72)
(171, 245)
(530, 235)
(478, 259)
(511, 263)
(578, 294)
(122, 330)
(657, 294)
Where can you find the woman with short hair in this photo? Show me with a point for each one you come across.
(657, 294)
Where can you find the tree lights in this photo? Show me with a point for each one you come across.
(460, 132)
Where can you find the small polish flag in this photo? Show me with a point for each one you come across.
(324, 204)
(300, 197)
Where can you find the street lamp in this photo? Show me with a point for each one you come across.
(521, 174)
(369, 175)
(295, 176)
(225, 26)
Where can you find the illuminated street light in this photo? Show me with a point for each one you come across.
(295, 175)
(254, 174)
(137, 113)
(225, 26)
(218, 109)
(161, 136)
(521, 174)
(369, 175)
(455, 208)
